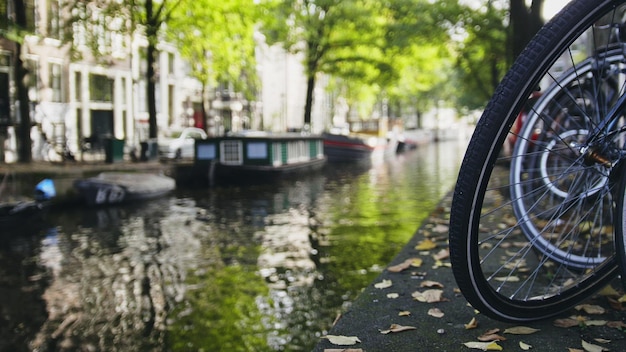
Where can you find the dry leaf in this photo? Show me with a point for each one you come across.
(473, 324)
(383, 284)
(393, 295)
(342, 340)
(426, 245)
(614, 304)
(397, 328)
(428, 296)
(441, 228)
(595, 322)
(485, 346)
(608, 290)
(524, 346)
(404, 265)
(520, 330)
(343, 350)
(404, 313)
(435, 312)
(574, 350)
(429, 283)
(566, 323)
(602, 340)
(616, 324)
(491, 337)
(591, 309)
(442, 254)
(589, 347)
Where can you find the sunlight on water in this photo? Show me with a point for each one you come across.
(262, 268)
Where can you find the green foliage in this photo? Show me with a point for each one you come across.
(217, 38)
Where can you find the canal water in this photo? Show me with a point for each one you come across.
(233, 268)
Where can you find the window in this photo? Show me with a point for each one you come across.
(231, 153)
(4, 14)
(78, 86)
(100, 88)
(54, 19)
(54, 82)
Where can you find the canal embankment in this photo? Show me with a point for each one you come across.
(415, 305)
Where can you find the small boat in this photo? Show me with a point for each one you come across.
(355, 147)
(258, 155)
(121, 187)
(16, 211)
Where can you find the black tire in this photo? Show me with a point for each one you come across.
(529, 236)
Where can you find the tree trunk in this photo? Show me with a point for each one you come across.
(152, 30)
(525, 22)
(24, 153)
(308, 106)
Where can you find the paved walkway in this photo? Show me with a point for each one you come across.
(376, 310)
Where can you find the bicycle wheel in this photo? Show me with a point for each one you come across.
(531, 232)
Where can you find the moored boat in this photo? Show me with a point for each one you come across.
(120, 187)
(355, 147)
(16, 211)
(259, 155)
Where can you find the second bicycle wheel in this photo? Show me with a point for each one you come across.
(532, 230)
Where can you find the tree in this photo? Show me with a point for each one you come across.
(16, 32)
(343, 38)
(217, 38)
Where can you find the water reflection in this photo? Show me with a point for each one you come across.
(264, 267)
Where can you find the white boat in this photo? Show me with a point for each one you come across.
(121, 187)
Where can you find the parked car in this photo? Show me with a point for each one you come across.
(179, 143)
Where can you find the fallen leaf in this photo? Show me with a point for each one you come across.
(403, 266)
(566, 323)
(608, 290)
(622, 299)
(428, 296)
(591, 309)
(602, 340)
(491, 337)
(507, 279)
(397, 328)
(342, 340)
(520, 330)
(485, 346)
(441, 228)
(343, 350)
(404, 313)
(615, 304)
(383, 284)
(524, 346)
(439, 264)
(429, 283)
(426, 245)
(473, 324)
(393, 295)
(435, 312)
(589, 347)
(442, 254)
(616, 324)
(595, 322)
(574, 350)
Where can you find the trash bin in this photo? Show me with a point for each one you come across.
(149, 150)
(114, 150)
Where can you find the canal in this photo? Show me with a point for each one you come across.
(234, 268)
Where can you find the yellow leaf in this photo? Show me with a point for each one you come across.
(342, 340)
(589, 347)
(591, 309)
(608, 290)
(428, 296)
(485, 346)
(404, 313)
(426, 245)
(397, 328)
(417, 262)
(520, 330)
(383, 284)
(473, 324)
(524, 346)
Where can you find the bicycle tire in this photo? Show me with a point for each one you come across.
(499, 262)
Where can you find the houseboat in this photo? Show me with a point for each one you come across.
(258, 155)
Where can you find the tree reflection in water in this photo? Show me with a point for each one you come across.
(261, 268)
